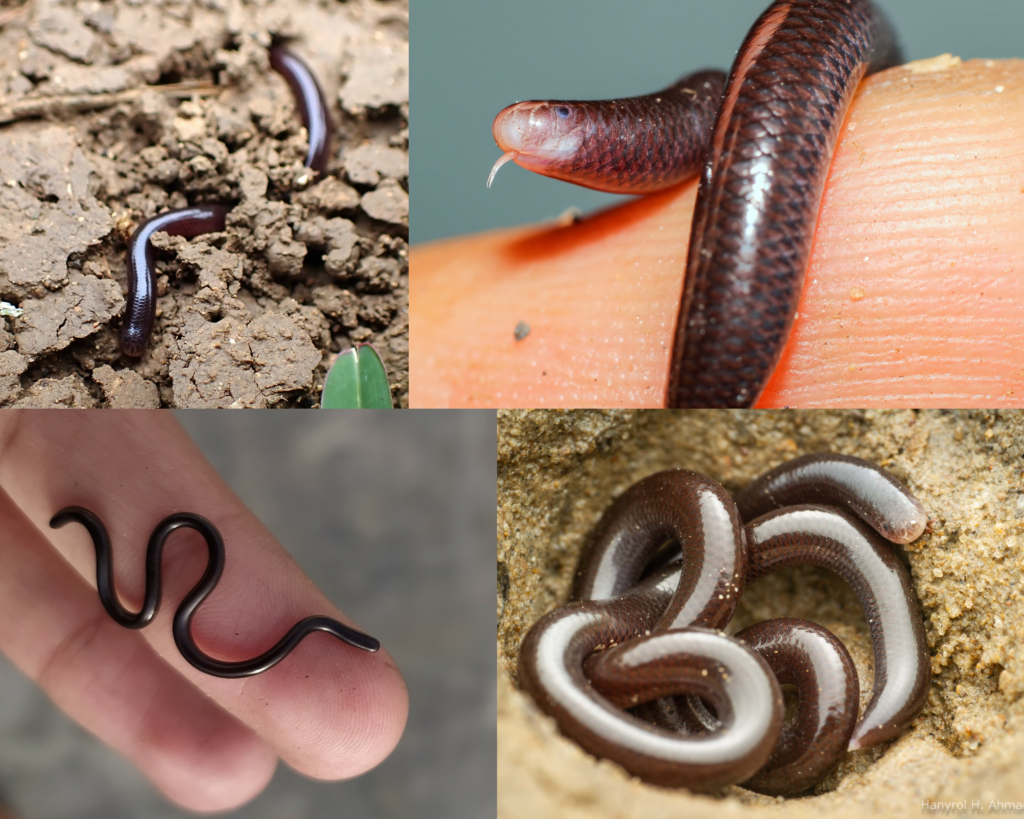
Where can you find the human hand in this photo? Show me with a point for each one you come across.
(914, 295)
(208, 743)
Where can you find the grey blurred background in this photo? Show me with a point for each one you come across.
(391, 513)
(471, 58)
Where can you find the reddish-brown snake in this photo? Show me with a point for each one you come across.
(764, 147)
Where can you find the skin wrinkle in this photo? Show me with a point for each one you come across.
(145, 725)
(217, 759)
(146, 733)
(127, 662)
(168, 743)
(216, 789)
(152, 730)
(83, 635)
(9, 434)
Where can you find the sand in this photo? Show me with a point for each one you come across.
(557, 472)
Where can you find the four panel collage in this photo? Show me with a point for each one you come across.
(719, 307)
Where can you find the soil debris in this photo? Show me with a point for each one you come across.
(117, 111)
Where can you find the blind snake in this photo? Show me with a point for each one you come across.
(763, 147)
(817, 664)
(617, 643)
(140, 306)
(182, 627)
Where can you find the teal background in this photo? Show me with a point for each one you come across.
(471, 58)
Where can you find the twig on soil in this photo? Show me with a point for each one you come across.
(70, 103)
(11, 14)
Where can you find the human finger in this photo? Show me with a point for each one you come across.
(112, 682)
(330, 710)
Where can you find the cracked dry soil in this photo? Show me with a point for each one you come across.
(114, 110)
(557, 473)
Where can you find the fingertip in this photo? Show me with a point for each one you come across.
(226, 767)
(365, 713)
(383, 724)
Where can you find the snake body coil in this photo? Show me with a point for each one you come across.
(643, 638)
(185, 612)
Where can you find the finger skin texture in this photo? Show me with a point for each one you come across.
(914, 295)
(328, 710)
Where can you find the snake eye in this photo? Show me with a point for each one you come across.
(562, 111)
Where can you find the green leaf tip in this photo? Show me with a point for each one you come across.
(357, 380)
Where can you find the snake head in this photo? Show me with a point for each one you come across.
(539, 136)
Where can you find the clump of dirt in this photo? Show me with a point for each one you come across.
(113, 111)
(558, 472)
